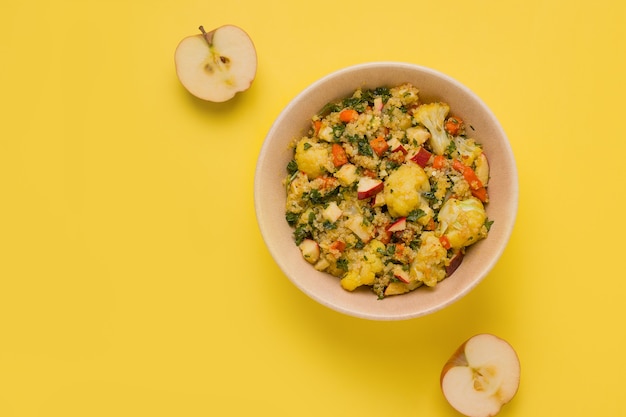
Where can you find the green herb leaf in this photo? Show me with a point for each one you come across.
(292, 167)
(342, 263)
(364, 147)
(415, 214)
(302, 232)
(292, 218)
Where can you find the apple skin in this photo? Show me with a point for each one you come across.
(455, 262)
(398, 225)
(368, 187)
(216, 65)
(481, 388)
(422, 157)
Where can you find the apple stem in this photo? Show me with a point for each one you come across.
(208, 37)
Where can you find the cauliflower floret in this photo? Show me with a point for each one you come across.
(462, 221)
(313, 158)
(468, 149)
(403, 188)
(429, 265)
(432, 116)
(370, 264)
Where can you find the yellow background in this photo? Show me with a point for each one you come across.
(133, 277)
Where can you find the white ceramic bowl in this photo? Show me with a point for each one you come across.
(294, 121)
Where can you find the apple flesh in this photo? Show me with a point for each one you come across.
(216, 65)
(401, 275)
(481, 376)
(397, 226)
(310, 250)
(422, 157)
(368, 187)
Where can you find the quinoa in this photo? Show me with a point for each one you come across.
(385, 191)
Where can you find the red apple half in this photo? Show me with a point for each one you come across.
(481, 376)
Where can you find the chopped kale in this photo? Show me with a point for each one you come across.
(415, 215)
(342, 263)
(302, 232)
(292, 218)
(364, 147)
(338, 130)
(292, 167)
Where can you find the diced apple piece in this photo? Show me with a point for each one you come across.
(395, 145)
(481, 376)
(368, 187)
(347, 174)
(398, 225)
(398, 287)
(310, 250)
(321, 265)
(401, 274)
(422, 157)
(482, 169)
(455, 262)
(378, 105)
(418, 134)
(378, 200)
(332, 213)
(355, 224)
(326, 133)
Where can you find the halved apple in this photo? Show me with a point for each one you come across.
(216, 65)
(481, 376)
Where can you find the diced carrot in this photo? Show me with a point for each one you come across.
(453, 125)
(468, 174)
(399, 249)
(459, 166)
(338, 245)
(369, 173)
(348, 115)
(476, 186)
(379, 145)
(445, 242)
(481, 194)
(327, 182)
(439, 162)
(317, 125)
(339, 155)
(431, 224)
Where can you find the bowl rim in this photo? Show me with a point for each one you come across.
(511, 204)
